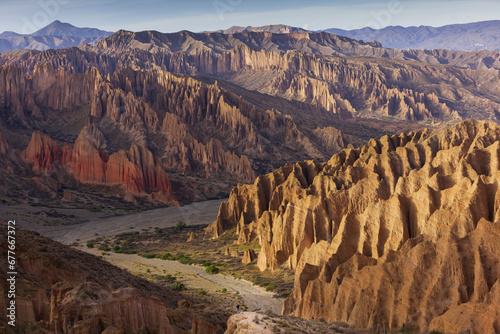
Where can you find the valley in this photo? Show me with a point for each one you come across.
(321, 183)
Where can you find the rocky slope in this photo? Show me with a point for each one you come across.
(337, 86)
(61, 290)
(321, 43)
(425, 198)
(131, 128)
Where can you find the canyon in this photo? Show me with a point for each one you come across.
(370, 174)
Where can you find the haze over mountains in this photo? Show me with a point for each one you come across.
(465, 37)
(56, 35)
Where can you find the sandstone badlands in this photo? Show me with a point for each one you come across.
(401, 231)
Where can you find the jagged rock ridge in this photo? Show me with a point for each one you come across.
(369, 212)
(338, 86)
(136, 125)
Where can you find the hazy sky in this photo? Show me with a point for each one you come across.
(25, 16)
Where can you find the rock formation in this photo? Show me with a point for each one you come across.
(336, 84)
(249, 323)
(369, 212)
(116, 129)
(248, 256)
(136, 170)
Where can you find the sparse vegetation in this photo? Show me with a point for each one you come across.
(90, 244)
(179, 287)
(212, 269)
(180, 225)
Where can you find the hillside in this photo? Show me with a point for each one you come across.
(62, 290)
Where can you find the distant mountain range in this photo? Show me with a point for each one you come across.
(57, 35)
(466, 37)
(272, 28)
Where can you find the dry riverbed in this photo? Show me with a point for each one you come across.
(195, 278)
(70, 226)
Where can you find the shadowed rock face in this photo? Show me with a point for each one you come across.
(367, 213)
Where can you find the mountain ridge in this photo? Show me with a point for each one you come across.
(474, 36)
(56, 35)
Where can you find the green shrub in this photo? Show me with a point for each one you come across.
(167, 277)
(90, 244)
(116, 248)
(206, 264)
(104, 248)
(179, 287)
(166, 256)
(212, 269)
(224, 290)
(202, 293)
(149, 256)
(180, 225)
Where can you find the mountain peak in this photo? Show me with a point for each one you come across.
(58, 28)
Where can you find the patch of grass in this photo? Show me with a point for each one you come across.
(168, 277)
(179, 287)
(104, 248)
(202, 293)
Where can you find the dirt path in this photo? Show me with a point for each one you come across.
(194, 277)
(193, 214)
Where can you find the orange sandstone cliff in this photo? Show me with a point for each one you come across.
(400, 231)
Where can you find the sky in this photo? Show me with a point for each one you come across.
(27, 16)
